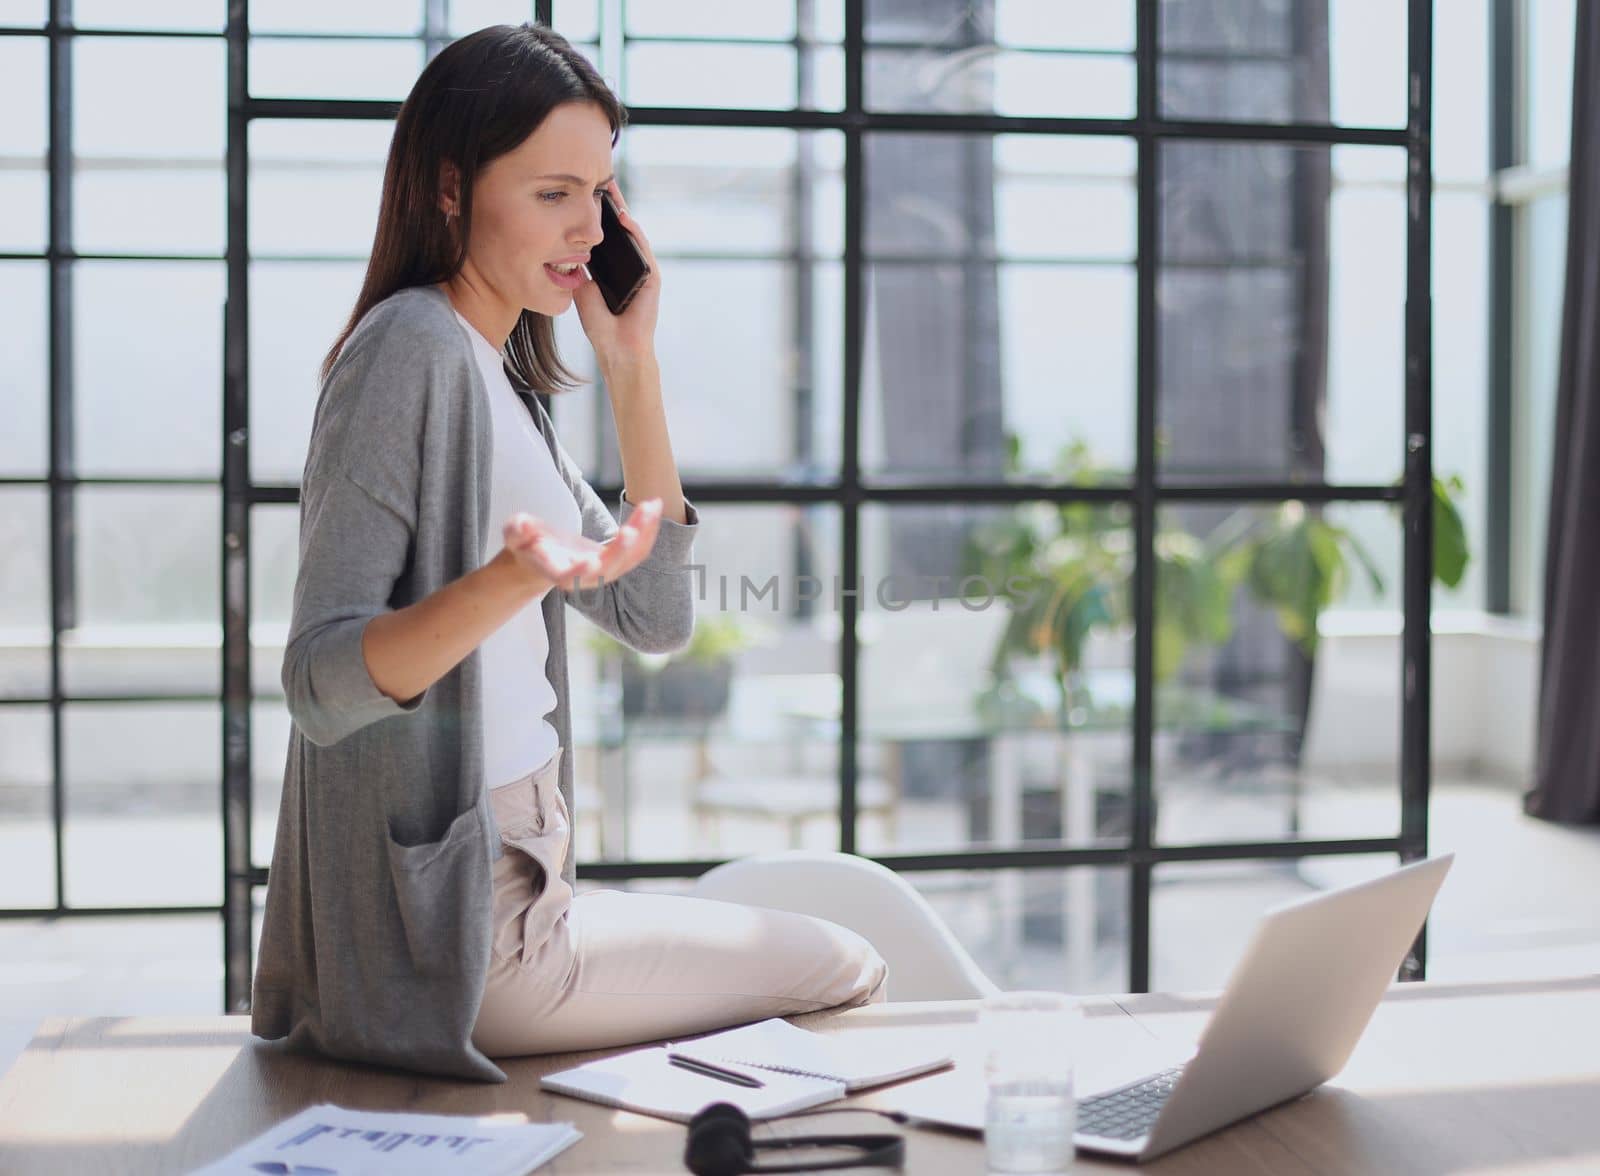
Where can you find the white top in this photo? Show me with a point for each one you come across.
(518, 696)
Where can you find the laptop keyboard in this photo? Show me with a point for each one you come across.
(1130, 1113)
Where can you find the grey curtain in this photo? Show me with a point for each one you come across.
(1567, 769)
(935, 321)
(1243, 305)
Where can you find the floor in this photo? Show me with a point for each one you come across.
(1519, 903)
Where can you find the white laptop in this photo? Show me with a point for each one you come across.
(1292, 1012)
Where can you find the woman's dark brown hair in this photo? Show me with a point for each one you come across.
(474, 102)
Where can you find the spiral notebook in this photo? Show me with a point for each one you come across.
(799, 1069)
(643, 1080)
(857, 1061)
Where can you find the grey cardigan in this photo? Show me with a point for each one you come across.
(375, 939)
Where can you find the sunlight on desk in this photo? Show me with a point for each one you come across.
(625, 1121)
(106, 1073)
(1586, 1162)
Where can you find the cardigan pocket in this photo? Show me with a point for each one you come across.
(433, 883)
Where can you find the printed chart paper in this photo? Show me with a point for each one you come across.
(326, 1140)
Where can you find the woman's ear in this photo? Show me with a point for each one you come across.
(449, 189)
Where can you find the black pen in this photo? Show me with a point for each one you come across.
(710, 1071)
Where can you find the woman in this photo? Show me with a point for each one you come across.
(420, 911)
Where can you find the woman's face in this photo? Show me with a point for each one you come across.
(539, 205)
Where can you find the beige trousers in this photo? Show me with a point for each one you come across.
(611, 968)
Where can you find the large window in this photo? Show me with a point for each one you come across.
(1053, 379)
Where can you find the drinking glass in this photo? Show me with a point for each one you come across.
(1029, 1042)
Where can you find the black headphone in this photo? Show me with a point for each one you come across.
(720, 1145)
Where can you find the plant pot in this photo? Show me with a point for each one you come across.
(678, 690)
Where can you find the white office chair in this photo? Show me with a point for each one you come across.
(925, 960)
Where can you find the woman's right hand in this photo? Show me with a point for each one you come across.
(575, 562)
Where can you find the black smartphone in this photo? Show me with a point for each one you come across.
(616, 264)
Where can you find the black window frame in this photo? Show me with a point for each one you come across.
(1148, 492)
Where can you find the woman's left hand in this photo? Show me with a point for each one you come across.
(620, 339)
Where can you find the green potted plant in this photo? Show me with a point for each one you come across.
(692, 683)
(1297, 563)
(1077, 560)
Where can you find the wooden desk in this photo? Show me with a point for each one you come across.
(1498, 1077)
